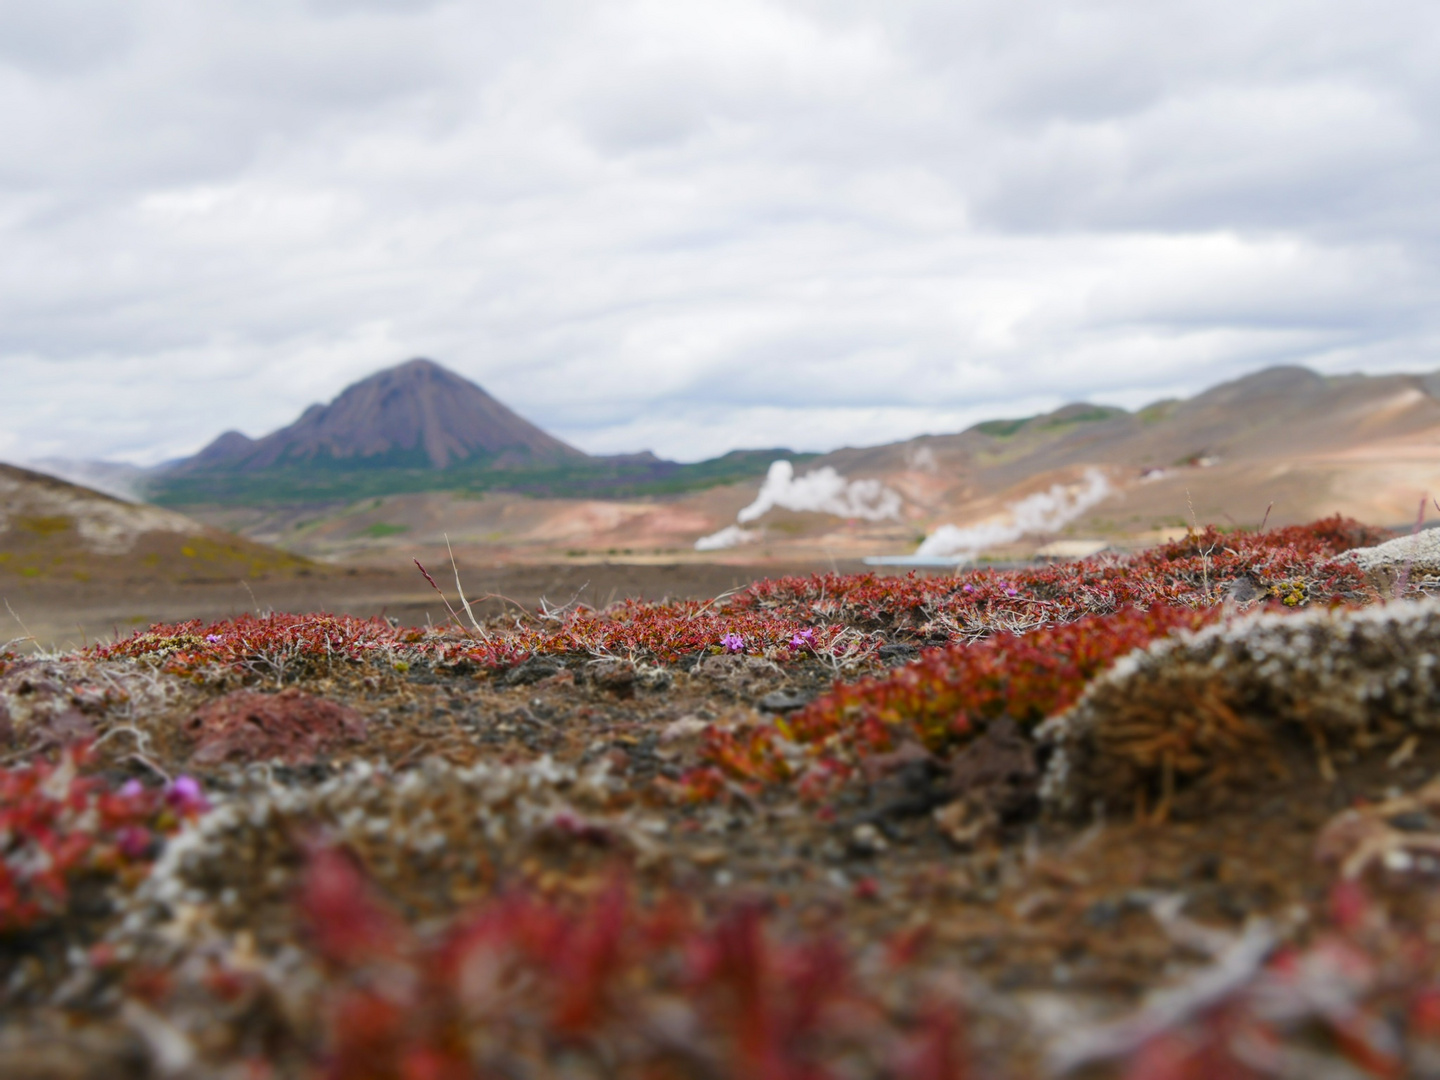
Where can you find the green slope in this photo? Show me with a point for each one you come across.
(329, 478)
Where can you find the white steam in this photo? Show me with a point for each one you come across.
(728, 537)
(823, 491)
(1043, 512)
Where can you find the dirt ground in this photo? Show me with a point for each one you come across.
(66, 614)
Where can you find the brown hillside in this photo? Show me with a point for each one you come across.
(54, 531)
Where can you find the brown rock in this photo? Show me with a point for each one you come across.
(292, 726)
(997, 769)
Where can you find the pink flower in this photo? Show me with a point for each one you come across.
(131, 789)
(213, 638)
(803, 639)
(186, 796)
(733, 642)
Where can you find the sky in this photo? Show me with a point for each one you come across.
(690, 226)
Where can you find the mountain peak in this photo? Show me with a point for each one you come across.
(417, 413)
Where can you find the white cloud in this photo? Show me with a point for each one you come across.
(700, 226)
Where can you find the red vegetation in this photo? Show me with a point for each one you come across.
(950, 694)
(830, 615)
(292, 726)
(605, 981)
(57, 826)
(942, 699)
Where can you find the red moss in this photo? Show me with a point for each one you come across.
(292, 726)
(57, 826)
(944, 698)
(949, 694)
(827, 614)
(631, 986)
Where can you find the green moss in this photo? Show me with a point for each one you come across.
(382, 529)
(1002, 429)
(45, 526)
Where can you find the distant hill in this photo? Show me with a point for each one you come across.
(419, 427)
(1285, 445)
(416, 414)
(52, 530)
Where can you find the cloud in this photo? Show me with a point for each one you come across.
(1042, 512)
(700, 226)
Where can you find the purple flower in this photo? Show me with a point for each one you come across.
(131, 789)
(185, 795)
(967, 588)
(1011, 592)
(733, 642)
(803, 639)
(213, 638)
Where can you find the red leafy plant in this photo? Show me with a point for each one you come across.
(942, 699)
(643, 990)
(827, 613)
(58, 826)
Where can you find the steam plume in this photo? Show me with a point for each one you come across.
(823, 491)
(1043, 512)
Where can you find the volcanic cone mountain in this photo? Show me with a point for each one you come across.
(417, 414)
(413, 428)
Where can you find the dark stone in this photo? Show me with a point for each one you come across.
(784, 701)
(898, 653)
(532, 671)
(997, 770)
(1413, 821)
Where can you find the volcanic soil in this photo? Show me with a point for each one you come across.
(1003, 823)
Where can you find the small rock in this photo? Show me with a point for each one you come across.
(966, 824)
(898, 653)
(533, 670)
(616, 676)
(998, 769)
(687, 727)
(865, 839)
(784, 701)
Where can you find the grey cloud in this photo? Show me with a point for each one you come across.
(698, 226)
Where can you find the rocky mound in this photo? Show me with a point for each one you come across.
(1218, 706)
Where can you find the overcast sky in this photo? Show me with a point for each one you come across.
(692, 226)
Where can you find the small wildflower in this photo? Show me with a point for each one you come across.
(733, 642)
(967, 588)
(131, 789)
(186, 796)
(214, 639)
(803, 639)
